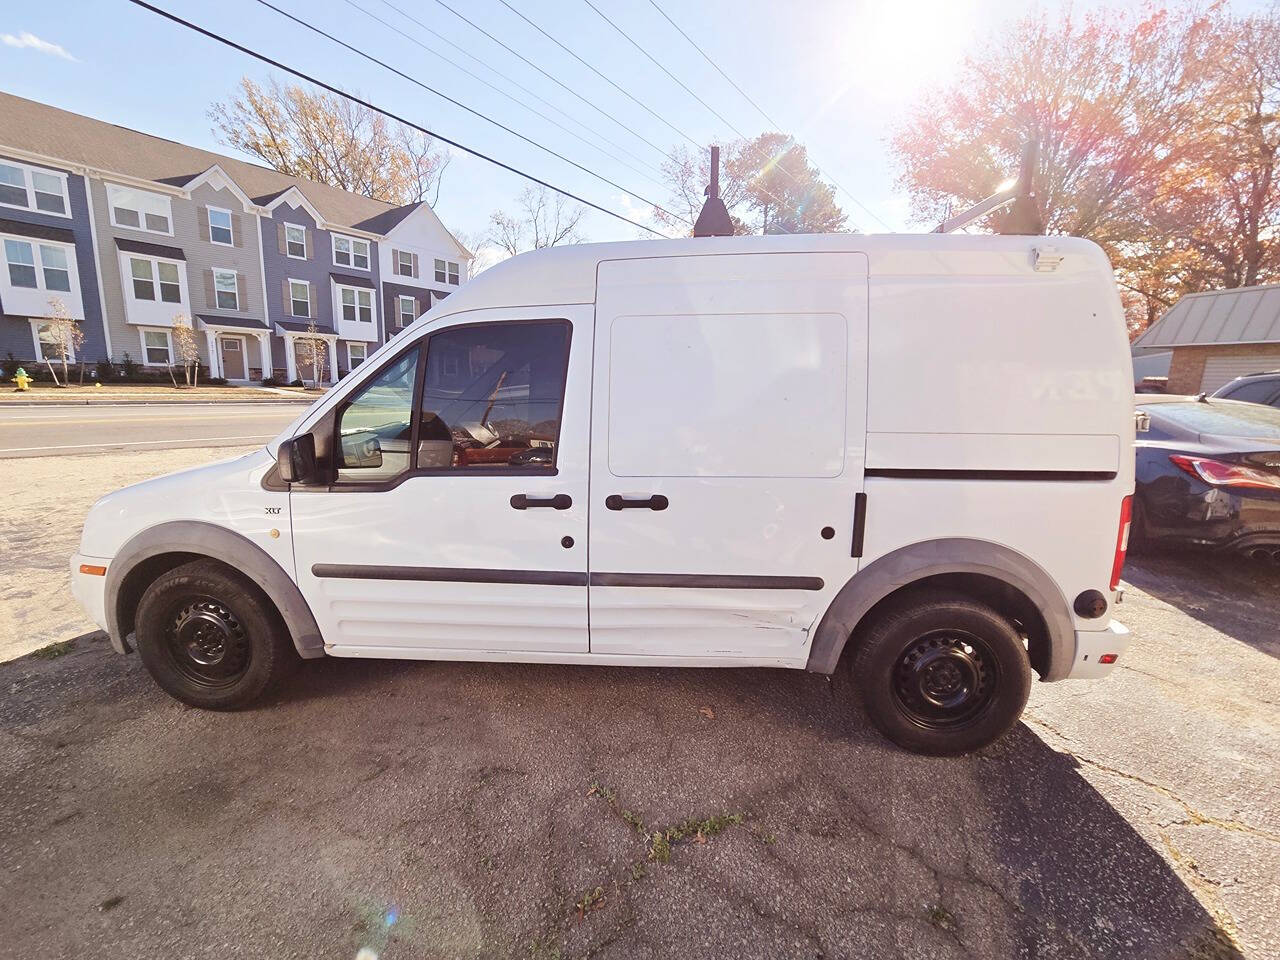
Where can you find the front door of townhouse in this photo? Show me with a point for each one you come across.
(232, 357)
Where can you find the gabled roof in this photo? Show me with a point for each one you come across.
(41, 129)
(390, 221)
(1240, 315)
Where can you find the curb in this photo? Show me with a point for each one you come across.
(125, 402)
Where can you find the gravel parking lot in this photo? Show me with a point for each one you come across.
(498, 810)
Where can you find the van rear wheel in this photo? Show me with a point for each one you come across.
(943, 674)
(209, 638)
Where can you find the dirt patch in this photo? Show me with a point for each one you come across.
(43, 502)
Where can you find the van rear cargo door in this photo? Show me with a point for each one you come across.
(728, 433)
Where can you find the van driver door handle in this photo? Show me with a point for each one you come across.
(561, 501)
(618, 502)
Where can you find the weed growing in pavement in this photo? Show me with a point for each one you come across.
(941, 917)
(54, 650)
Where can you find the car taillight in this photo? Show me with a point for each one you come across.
(1218, 473)
(1122, 540)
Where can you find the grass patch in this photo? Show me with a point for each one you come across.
(54, 650)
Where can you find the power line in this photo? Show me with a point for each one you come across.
(517, 84)
(501, 126)
(559, 83)
(293, 71)
(760, 110)
(495, 88)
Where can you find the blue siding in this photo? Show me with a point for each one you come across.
(15, 332)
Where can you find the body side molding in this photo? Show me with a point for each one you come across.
(916, 561)
(217, 543)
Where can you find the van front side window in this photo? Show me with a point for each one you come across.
(375, 430)
(492, 396)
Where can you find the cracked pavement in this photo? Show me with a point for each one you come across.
(443, 810)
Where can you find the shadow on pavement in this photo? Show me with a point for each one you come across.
(447, 809)
(1231, 594)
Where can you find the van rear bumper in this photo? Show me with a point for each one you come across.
(1092, 644)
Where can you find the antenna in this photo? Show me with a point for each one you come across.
(1024, 218)
(714, 220)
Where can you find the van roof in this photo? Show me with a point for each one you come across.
(568, 274)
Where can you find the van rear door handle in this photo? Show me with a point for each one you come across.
(655, 502)
(561, 501)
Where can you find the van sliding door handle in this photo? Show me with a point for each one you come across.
(561, 501)
(655, 502)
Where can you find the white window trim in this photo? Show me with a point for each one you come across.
(36, 324)
(27, 169)
(234, 273)
(400, 299)
(36, 243)
(395, 267)
(299, 226)
(307, 284)
(373, 303)
(457, 268)
(362, 346)
(231, 225)
(368, 246)
(142, 340)
(142, 216)
(184, 299)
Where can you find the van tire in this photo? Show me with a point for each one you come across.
(942, 674)
(211, 639)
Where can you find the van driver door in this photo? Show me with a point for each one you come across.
(457, 523)
(728, 437)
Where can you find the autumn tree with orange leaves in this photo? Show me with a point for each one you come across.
(1159, 139)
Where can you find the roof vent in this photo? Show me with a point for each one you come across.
(714, 220)
(1045, 259)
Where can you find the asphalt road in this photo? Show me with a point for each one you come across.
(56, 431)
(448, 810)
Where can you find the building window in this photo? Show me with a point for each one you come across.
(404, 263)
(139, 210)
(220, 227)
(19, 184)
(357, 304)
(408, 310)
(356, 353)
(295, 241)
(350, 252)
(157, 349)
(300, 298)
(146, 272)
(47, 345)
(21, 258)
(224, 287)
(57, 271)
(446, 272)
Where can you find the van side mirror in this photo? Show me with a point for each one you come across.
(296, 459)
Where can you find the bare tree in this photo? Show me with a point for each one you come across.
(327, 138)
(66, 336)
(543, 220)
(313, 353)
(187, 348)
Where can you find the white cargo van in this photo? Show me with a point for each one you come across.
(911, 455)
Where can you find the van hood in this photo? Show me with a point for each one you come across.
(213, 492)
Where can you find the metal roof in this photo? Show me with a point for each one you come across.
(1240, 315)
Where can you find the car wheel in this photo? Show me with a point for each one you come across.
(210, 638)
(942, 674)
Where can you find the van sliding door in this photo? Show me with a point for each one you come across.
(727, 451)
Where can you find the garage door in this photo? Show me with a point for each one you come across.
(1220, 370)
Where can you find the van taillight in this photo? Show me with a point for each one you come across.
(1122, 540)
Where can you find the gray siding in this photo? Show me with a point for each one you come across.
(15, 332)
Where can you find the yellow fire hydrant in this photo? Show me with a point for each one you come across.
(21, 379)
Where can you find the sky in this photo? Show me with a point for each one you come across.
(838, 75)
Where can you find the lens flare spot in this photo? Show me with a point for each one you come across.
(365, 953)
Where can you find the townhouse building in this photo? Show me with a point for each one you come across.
(135, 233)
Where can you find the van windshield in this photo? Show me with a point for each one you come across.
(1222, 419)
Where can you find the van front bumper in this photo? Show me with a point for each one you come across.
(90, 589)
(1093, 644)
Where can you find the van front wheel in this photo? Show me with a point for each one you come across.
(943, 675)
(209, 638)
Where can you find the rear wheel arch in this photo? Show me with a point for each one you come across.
(1003, 579)
(161, 548)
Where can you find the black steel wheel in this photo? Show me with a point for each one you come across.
(941, 673)
(210, 638)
